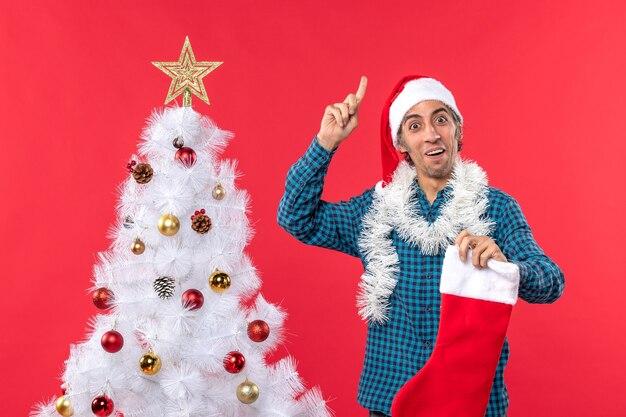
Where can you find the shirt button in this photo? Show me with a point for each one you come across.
(428, 309)
(427, 342)
(429, 276)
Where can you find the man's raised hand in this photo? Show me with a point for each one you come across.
(340, 119)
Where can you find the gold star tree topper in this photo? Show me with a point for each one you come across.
(187, 75)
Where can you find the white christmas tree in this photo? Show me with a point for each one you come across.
(175, 338)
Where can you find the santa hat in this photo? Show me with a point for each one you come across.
(409, 91)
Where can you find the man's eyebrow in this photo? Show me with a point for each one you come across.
(412, 116)
(419, 116)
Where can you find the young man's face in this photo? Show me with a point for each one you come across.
(428, 135)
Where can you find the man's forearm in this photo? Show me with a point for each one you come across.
(304, 215)
(303, 190)
(541, 280)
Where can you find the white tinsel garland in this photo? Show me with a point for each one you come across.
(394, 208)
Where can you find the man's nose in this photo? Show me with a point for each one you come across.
(431, 133)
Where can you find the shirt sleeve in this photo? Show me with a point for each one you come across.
(541, 280)
(313, 221)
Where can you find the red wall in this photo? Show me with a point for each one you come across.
(541, 87)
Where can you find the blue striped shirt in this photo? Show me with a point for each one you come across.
(398, 349)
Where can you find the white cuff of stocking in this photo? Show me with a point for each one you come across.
(498, 282)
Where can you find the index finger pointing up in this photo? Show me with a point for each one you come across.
(360, 93)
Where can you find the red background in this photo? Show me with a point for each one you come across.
(540, 85)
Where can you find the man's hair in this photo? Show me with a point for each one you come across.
(458, 133)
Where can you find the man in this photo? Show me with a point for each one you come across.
(400, 229)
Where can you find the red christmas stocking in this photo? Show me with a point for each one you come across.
(476, 306)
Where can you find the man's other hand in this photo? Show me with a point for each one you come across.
(483, 249)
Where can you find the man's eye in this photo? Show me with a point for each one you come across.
(441, 119)
(414, 126)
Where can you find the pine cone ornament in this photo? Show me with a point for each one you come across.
(200, 222)
(142, 173)
(164, 287)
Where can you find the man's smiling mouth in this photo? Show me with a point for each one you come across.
(435, 152)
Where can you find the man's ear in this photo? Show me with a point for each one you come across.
(407, 157)
(459, 141)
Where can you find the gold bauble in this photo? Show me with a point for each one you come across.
(150, 363)
(219, 281)
(247, 392)
(168, 224)
(219, 192)
(64, 406)
(138, 247)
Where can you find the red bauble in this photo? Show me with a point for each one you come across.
(102, 406)
(192, 299)
(112, 341)
(102, 298)
(186, 156)
(234, 362)
(258, 330)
